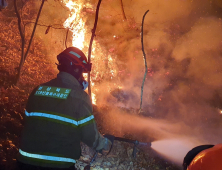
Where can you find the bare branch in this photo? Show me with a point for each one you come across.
(33, 32)
(22, 34)
(22, 37)
(144, 56)
(20, 26)
(90, 44)
(47, 30)
(66, 37)
(51, 26)
(23, 4)
(123, 12)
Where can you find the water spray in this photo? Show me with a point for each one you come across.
(173, 149)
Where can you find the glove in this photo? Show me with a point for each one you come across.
(107, 145)
(104, 145)
(110, 137)
(85, 84)
(106, 148)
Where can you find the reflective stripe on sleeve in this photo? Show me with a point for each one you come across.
(85, 120)
(63, 119)
(45, 157)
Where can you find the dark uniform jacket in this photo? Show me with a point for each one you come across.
(58, 117)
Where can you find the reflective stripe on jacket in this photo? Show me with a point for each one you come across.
(58, 117)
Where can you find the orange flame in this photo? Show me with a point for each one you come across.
(81, 36)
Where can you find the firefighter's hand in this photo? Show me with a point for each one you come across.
(106, 146)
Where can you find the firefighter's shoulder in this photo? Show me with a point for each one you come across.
(81, 95)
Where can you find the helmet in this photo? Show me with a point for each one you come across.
(208, 159)
(74, 56)
(193, 153)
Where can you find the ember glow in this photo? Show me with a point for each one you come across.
(103, 65)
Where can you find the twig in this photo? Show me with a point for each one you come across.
(66, 37)
(22, 17)
(22, 37)
(22, 34)
(33, 32)
(144, 56)
(90, 44)
(51, 26)
(123, 12)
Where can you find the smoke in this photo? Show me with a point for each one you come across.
(165, 136)
(182, 40)
(119, 122)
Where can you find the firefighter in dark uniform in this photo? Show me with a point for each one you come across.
(59, 117)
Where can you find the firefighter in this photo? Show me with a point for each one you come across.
(204, 157)
(59, 117)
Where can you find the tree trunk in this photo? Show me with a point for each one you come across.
(90, 44)
(22, 34)
(123, 12)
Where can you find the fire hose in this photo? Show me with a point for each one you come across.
(112, 138)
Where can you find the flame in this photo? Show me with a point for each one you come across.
(94, 98)
(75, 23)
(103, 65)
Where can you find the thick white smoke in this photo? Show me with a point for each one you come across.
(182, 40)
